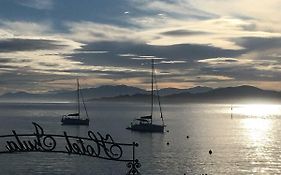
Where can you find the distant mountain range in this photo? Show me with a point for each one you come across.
(168, 95)
(194, 90)
(88, 93)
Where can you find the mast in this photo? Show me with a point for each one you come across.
(158, 97)
(78, 98)
(152, 87)
(84, 105)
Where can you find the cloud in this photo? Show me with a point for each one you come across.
(243, 68)
(90, 51)
(127, 55)
(195, 23)
(218, 32)
(177, 8)
(37, 4)
(34, 49)
(4, 60)
(24, 80)
(259, 43)
(181, 33)
(180, 66)
(24, 28)
(87, 31)
(176, 59)
(172, 62)
(193, 42)
(264, 14)
(213, 78)
(188, 51)
(12, 45)
(219, 60)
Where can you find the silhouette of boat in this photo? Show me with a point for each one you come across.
(74, 118)
(144, 123)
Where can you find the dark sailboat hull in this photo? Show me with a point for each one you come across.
(146, 128)
(74, 121)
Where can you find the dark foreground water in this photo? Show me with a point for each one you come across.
(248, 141)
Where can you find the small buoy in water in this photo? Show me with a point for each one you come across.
(210, 151)
(168, 143)
(187, 137)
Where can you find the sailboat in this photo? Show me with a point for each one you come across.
(145, 123)
(74, 118)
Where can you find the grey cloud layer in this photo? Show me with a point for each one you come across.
(11, 45)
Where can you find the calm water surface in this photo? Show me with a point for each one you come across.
(245, 139)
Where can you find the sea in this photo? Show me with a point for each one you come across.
(198, 139)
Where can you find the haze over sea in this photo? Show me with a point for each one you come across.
(244, 140)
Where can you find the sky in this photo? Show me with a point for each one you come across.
(46, 45)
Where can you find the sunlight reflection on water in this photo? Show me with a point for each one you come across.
(257, 110)
(258, 131)
(255, 143)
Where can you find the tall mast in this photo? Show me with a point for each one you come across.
(82, 97)
(78, 99)
(152, 87)
(158, 97)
